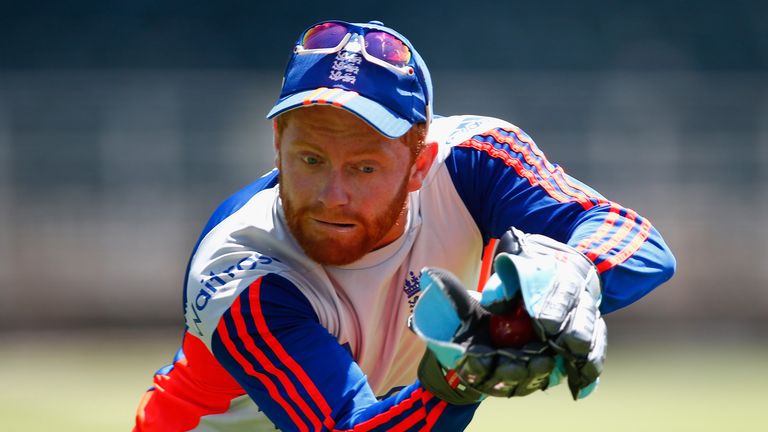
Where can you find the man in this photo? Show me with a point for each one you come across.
(300, 288)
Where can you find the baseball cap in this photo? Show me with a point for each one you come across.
(391, 99)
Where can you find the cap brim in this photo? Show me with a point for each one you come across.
(381, 118)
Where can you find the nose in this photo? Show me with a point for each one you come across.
(333, 192)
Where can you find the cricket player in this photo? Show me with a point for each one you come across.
(333, 293)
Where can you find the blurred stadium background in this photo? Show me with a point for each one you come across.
(123, 124)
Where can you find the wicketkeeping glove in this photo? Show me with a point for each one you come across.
(561, 291)
(456, 328)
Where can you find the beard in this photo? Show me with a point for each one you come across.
(327, 249)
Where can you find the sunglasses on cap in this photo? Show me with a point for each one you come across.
(376, 45)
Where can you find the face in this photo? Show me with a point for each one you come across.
(343, 185)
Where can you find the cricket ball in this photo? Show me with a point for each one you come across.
(513, 329)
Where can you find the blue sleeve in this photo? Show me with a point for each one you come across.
(272, 343)
(505, 180)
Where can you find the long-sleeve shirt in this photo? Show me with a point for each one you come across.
(275, 338)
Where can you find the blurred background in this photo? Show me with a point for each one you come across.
(124, 124)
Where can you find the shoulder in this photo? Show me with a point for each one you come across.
(220, 274)
(462, 138)
(453, 130)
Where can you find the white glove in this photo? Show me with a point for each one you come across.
(561, 291)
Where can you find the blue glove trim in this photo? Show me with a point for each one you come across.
(558, 373)
(435, 320)
(586, 391)
(497, 291)
(535, 277)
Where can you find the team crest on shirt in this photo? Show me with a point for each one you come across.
(411, 288)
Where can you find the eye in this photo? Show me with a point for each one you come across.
(366, 169)
(310, 159)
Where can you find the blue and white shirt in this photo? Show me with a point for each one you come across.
(274, 338)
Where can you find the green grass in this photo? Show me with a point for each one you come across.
(76, 384)
(670, 388)
(86, 384)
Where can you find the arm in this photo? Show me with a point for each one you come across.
(272, 343)
(505, 180)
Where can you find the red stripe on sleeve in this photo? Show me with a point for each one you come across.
(549, 172)
(393, 412)
(409, 421)
(603, 230)
(598, 199)
(246, 365)
(486, 265)
(537, 151)
(517, 165)
(551, 168)
(378, 420)
(522, 137)
(283, 356)
(434, 414)
(270, 368)
(616, 239)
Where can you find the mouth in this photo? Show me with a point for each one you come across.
(335, 226)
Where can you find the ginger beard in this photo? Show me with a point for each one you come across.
(340, 250)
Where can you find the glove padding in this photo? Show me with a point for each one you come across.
(445, 384)
(456, 329)
(561, 291)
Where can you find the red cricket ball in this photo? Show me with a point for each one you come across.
(512, 330)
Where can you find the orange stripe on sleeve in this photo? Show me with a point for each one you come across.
(632, 247)
(602, 231)
(524, 138)
(616, 239)
(599, 200)
(517, 165)
(557, 174)
(537, 151)
(553, 169)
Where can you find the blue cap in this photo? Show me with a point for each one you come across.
(389, 101)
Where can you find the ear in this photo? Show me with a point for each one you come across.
(276, 142)
(421, 166)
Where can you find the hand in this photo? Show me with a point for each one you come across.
(561, 291)
(456, 329)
